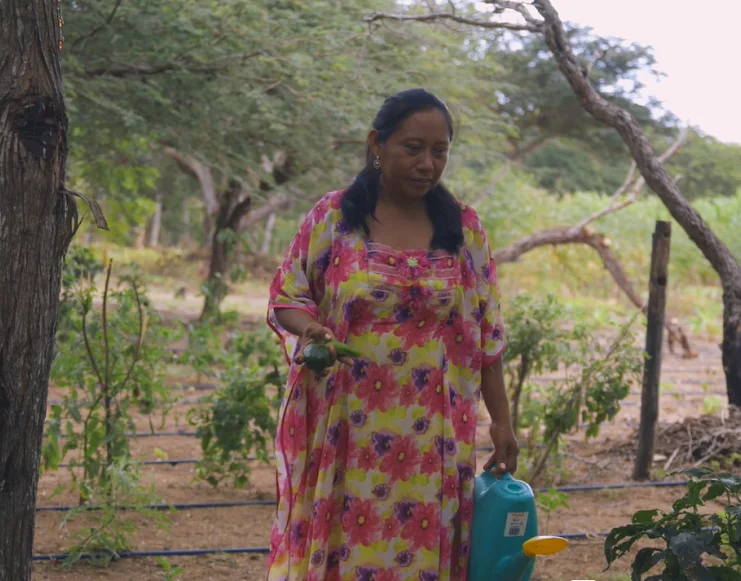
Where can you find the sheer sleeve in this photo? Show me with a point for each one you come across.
(299, 282)
(493, 340)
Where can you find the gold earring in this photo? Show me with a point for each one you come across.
(377, 163)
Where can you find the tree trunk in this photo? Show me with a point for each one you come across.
(140, 236)
(712, 247)
(185, 237)
(235, 203)
(156, 225)
(205, 178)
(732, 343)
(37, 222)
(267, 238)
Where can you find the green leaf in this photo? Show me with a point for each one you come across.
(715, 490)
(615, 545)
(645, 559)
(74, 412)
(644, 517)
(688, 548)
(160, 454)
(696, 472)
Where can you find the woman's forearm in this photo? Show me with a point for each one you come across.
(494, 393)
(295, 321)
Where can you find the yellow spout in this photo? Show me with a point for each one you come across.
(544, 545)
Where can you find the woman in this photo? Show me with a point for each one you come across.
(376, 458)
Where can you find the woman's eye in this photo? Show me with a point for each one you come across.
(441, 151)
(414, 149)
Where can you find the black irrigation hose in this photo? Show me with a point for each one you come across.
(172, 553)
(186, 433)
(675, 395)
(237, 551)
(178, 461)
(161, 462)
(233, 504)
(151, 434)
(184, 506)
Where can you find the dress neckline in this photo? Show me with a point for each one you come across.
(405, 251)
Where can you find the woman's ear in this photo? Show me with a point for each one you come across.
(373, 145)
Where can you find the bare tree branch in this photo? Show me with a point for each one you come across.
(600, 243)
(447, 16)
(581, 233)
(201, 173)
(520, 8)
(714, 250)
(637, 184)
(275, 203)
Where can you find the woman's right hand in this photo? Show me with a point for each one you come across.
(315, 333)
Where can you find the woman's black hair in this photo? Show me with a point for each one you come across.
(359, 201)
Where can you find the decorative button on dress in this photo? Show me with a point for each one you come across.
(376, 461)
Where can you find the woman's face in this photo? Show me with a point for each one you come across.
(413, 159)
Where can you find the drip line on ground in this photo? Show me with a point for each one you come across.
(192, 434)
(226, 551)
(240, 503)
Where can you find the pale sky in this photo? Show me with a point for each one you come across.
(694, 46)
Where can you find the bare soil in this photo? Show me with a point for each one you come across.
(687, 385)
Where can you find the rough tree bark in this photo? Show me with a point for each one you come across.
(37, 222)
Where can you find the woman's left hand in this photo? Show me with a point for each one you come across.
(506, 449)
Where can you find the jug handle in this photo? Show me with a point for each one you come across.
(491, 476)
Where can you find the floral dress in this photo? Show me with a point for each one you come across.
(376, 461)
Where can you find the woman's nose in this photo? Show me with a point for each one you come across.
(426, 162)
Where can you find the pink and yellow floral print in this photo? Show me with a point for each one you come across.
(376, 461)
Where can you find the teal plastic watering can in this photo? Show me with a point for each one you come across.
(504, 535)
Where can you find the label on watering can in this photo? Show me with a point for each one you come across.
(515, 525)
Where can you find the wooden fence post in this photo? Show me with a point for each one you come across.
(654, 341)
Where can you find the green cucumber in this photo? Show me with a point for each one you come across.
(317, 358)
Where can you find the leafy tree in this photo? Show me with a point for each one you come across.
(705, 167)
(566, 147)
(256, 100)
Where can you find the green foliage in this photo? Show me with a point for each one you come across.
(706, 168)
(699, 546)
(550, 501)
(238, 420)
(566, 148)
(108, 362)
(170, 572)
(597, 378)
(107, 530)
(79, 270)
